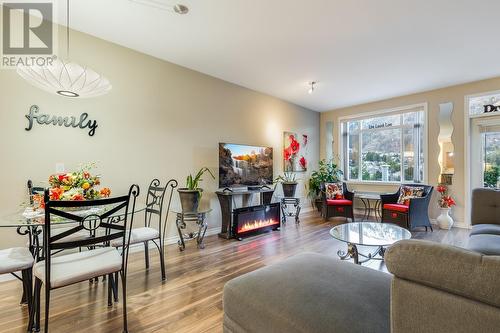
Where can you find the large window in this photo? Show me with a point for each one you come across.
(388, 147)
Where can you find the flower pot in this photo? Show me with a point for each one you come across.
(319, 204)
(190, 199)
(289, 189)
(444, 220)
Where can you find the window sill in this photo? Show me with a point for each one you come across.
(360, 182)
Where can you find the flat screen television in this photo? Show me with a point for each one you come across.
(243, 165)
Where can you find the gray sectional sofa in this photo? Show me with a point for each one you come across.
(485, 218)
(434, 288)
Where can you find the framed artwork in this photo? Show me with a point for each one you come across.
(295, 152)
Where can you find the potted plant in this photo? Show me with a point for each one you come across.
(289, 184)
(191, 194)
(445, 221)
(328, 172)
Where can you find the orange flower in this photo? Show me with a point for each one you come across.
(86, 186)
(77, 197)
(105, 192)
(56, 193)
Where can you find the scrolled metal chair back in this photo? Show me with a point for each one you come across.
(117, 215)
(155, 201)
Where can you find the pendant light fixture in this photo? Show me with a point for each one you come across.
(311, 87)
(64, 77)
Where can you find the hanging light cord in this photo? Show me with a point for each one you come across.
(67, 29)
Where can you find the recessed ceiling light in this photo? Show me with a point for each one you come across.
(311, 87)
(181, 9)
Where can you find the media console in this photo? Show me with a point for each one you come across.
(248, 219)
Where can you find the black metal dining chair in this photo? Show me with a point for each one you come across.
(19, 259)
(115, 214)
(154, 224)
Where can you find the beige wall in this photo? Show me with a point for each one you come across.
(455, 94)
(160, 120)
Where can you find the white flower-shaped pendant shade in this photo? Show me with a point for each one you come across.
(66, 78)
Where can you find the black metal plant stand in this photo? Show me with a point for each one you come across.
(286, 204)
(197, 218)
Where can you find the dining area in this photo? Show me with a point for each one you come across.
(76, 232)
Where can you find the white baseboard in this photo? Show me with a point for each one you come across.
(456, 224)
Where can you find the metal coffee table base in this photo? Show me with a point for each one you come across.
(353, 253)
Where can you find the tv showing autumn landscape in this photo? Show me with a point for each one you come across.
(243, 165)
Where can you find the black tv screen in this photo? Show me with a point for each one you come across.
(243, 165)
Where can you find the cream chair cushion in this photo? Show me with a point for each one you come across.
(138, 235)
(81, 266)
(15, 259)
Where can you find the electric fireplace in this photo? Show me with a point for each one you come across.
(256, 219)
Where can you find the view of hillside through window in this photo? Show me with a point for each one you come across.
(387, 148)
(492, 159)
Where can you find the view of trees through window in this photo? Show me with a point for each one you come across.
(385, 148)
(492, 159)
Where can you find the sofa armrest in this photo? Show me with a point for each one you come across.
(447, 268)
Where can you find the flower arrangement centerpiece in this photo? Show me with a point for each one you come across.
(75, 186)
(446, 201)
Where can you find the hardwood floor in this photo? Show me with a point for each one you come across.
(191, 299)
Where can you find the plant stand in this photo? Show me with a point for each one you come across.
(197, 218)
(285, 209)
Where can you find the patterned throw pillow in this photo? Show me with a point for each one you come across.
(410, 192)
(334, 191)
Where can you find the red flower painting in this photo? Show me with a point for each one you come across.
(303, 163)
(294, 153)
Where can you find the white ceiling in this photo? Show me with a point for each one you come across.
(358, 50)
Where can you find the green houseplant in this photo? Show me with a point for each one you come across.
(328, 172)
(289, 183)
(191, 194)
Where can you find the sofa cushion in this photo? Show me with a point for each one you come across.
(488, 229)
(308, 293)
(397, 208)
(340, 202)
(447, 268)
(334, 191)
(410, 192)
(485, 244)
(485, 206)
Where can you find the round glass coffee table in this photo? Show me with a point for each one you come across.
(371, 234)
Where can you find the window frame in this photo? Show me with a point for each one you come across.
(385, 112)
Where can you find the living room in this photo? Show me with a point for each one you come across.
(244, 166)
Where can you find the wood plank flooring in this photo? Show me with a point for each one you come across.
(191, 299)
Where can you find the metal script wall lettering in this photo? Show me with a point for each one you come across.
(45, 119)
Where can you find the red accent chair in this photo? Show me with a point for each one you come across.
(415, 214)
(338, 207)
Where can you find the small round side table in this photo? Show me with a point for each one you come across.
(198, 219)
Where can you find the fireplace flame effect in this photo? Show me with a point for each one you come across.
(248, 226)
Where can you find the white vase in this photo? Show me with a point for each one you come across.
(444, 220)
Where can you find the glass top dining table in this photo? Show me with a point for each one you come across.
(28, 217)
